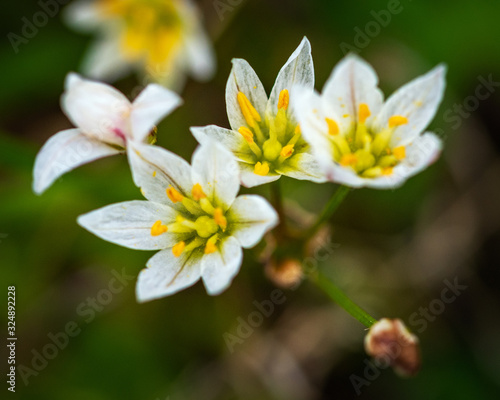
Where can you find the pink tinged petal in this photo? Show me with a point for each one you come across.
(98, 109)
(129, 224)
(63, 152)
(149, 108)
(251, 217)
(250, 179)
(418, 101)
(219, 268)
(166, 274)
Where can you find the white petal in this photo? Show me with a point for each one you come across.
(251, 217)
(250, 179)
(230, 139)
(418, 101)
(154, 169)
(150, 107)
(99, 110)
(243, 79)
(303, 166)
(353, 82)
(166, 274)
(221, 267)
(299, 69)
(129, 224)
(217, 171)
(344, 176)
(63, 152)
(82, 15)
(200, 56)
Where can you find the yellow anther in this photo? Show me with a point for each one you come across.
(157, 229)
(248, 110)
(174, 195)
(154, 174)
(178, 248)
(261, 168)
(246, 133)
(287, 151)
(345, 115)
(283, 100)
(348, 159)
(399, 152)
(220, 219)
(364, 112)
(197, 192)
(210, 248)
(333, 127)
(387, 171)
(397, 120)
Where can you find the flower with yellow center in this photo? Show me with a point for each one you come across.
(162, 39)
(265, 136)
(361, 141)
(192, 215)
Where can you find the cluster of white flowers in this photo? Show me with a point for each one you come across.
(192, 214)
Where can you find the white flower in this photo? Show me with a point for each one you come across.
(161, 39)
(192, 215)
(106, 122)
(361, 141)
(265, 136)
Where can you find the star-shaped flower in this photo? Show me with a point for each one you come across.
(192, 216)
(361, 141)
(265, 136)
(106, 123)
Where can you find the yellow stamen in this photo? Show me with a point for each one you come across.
(397, 120)
(174, 195)
(297, 130)
(248, 110)
(345, 115)
(210, 248)
(333, 127)
(287, 151)
(247, 134)
(387, 171)
(283, 100)
(220, 219)
(261, 168)
(154, 174)
(178, 249)
(399, 152)
(197, 192)
(364, 112)
(348, 159)
(157, 229)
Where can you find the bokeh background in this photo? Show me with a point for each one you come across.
(395, 248)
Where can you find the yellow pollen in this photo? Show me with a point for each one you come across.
(197, 192)
(178, 249)
(345, 115)
(287, 151)
(399, 152)
(261, 168)
(220, 219)
(248, 110)
(154, 174)
(333, 128)
(297, 130)
(397, 120)
(210, 248)
(364, 112)
(246, 133)
(387, 171)
(157, 229)
(348, 159)
(174, 195)
(283, 100)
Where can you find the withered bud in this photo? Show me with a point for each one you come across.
(285, 274)
(391, 343)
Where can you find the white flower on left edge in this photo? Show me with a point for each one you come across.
(106, 122)
(192, 216)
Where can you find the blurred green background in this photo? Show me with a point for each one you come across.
(396, 247)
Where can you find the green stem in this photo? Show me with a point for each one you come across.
(330, 208)
(277, 198)
(345, 302)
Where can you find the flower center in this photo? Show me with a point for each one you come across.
(367, 152)
(201, 223)
(272, 140)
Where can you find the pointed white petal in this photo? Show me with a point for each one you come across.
(150, 107)
(129, 224)
(250, 179)
(215, 168)
(155, 169)
(418, 101)
(200, 56)
(221, 267)
(343, 175)
(243, 79)
(303, 166)
(298, 69)
(99, 110)
(166, 274)
(251, 217)
(63, 152)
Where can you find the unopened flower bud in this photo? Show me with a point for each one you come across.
(285, 274)
(390, 342)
